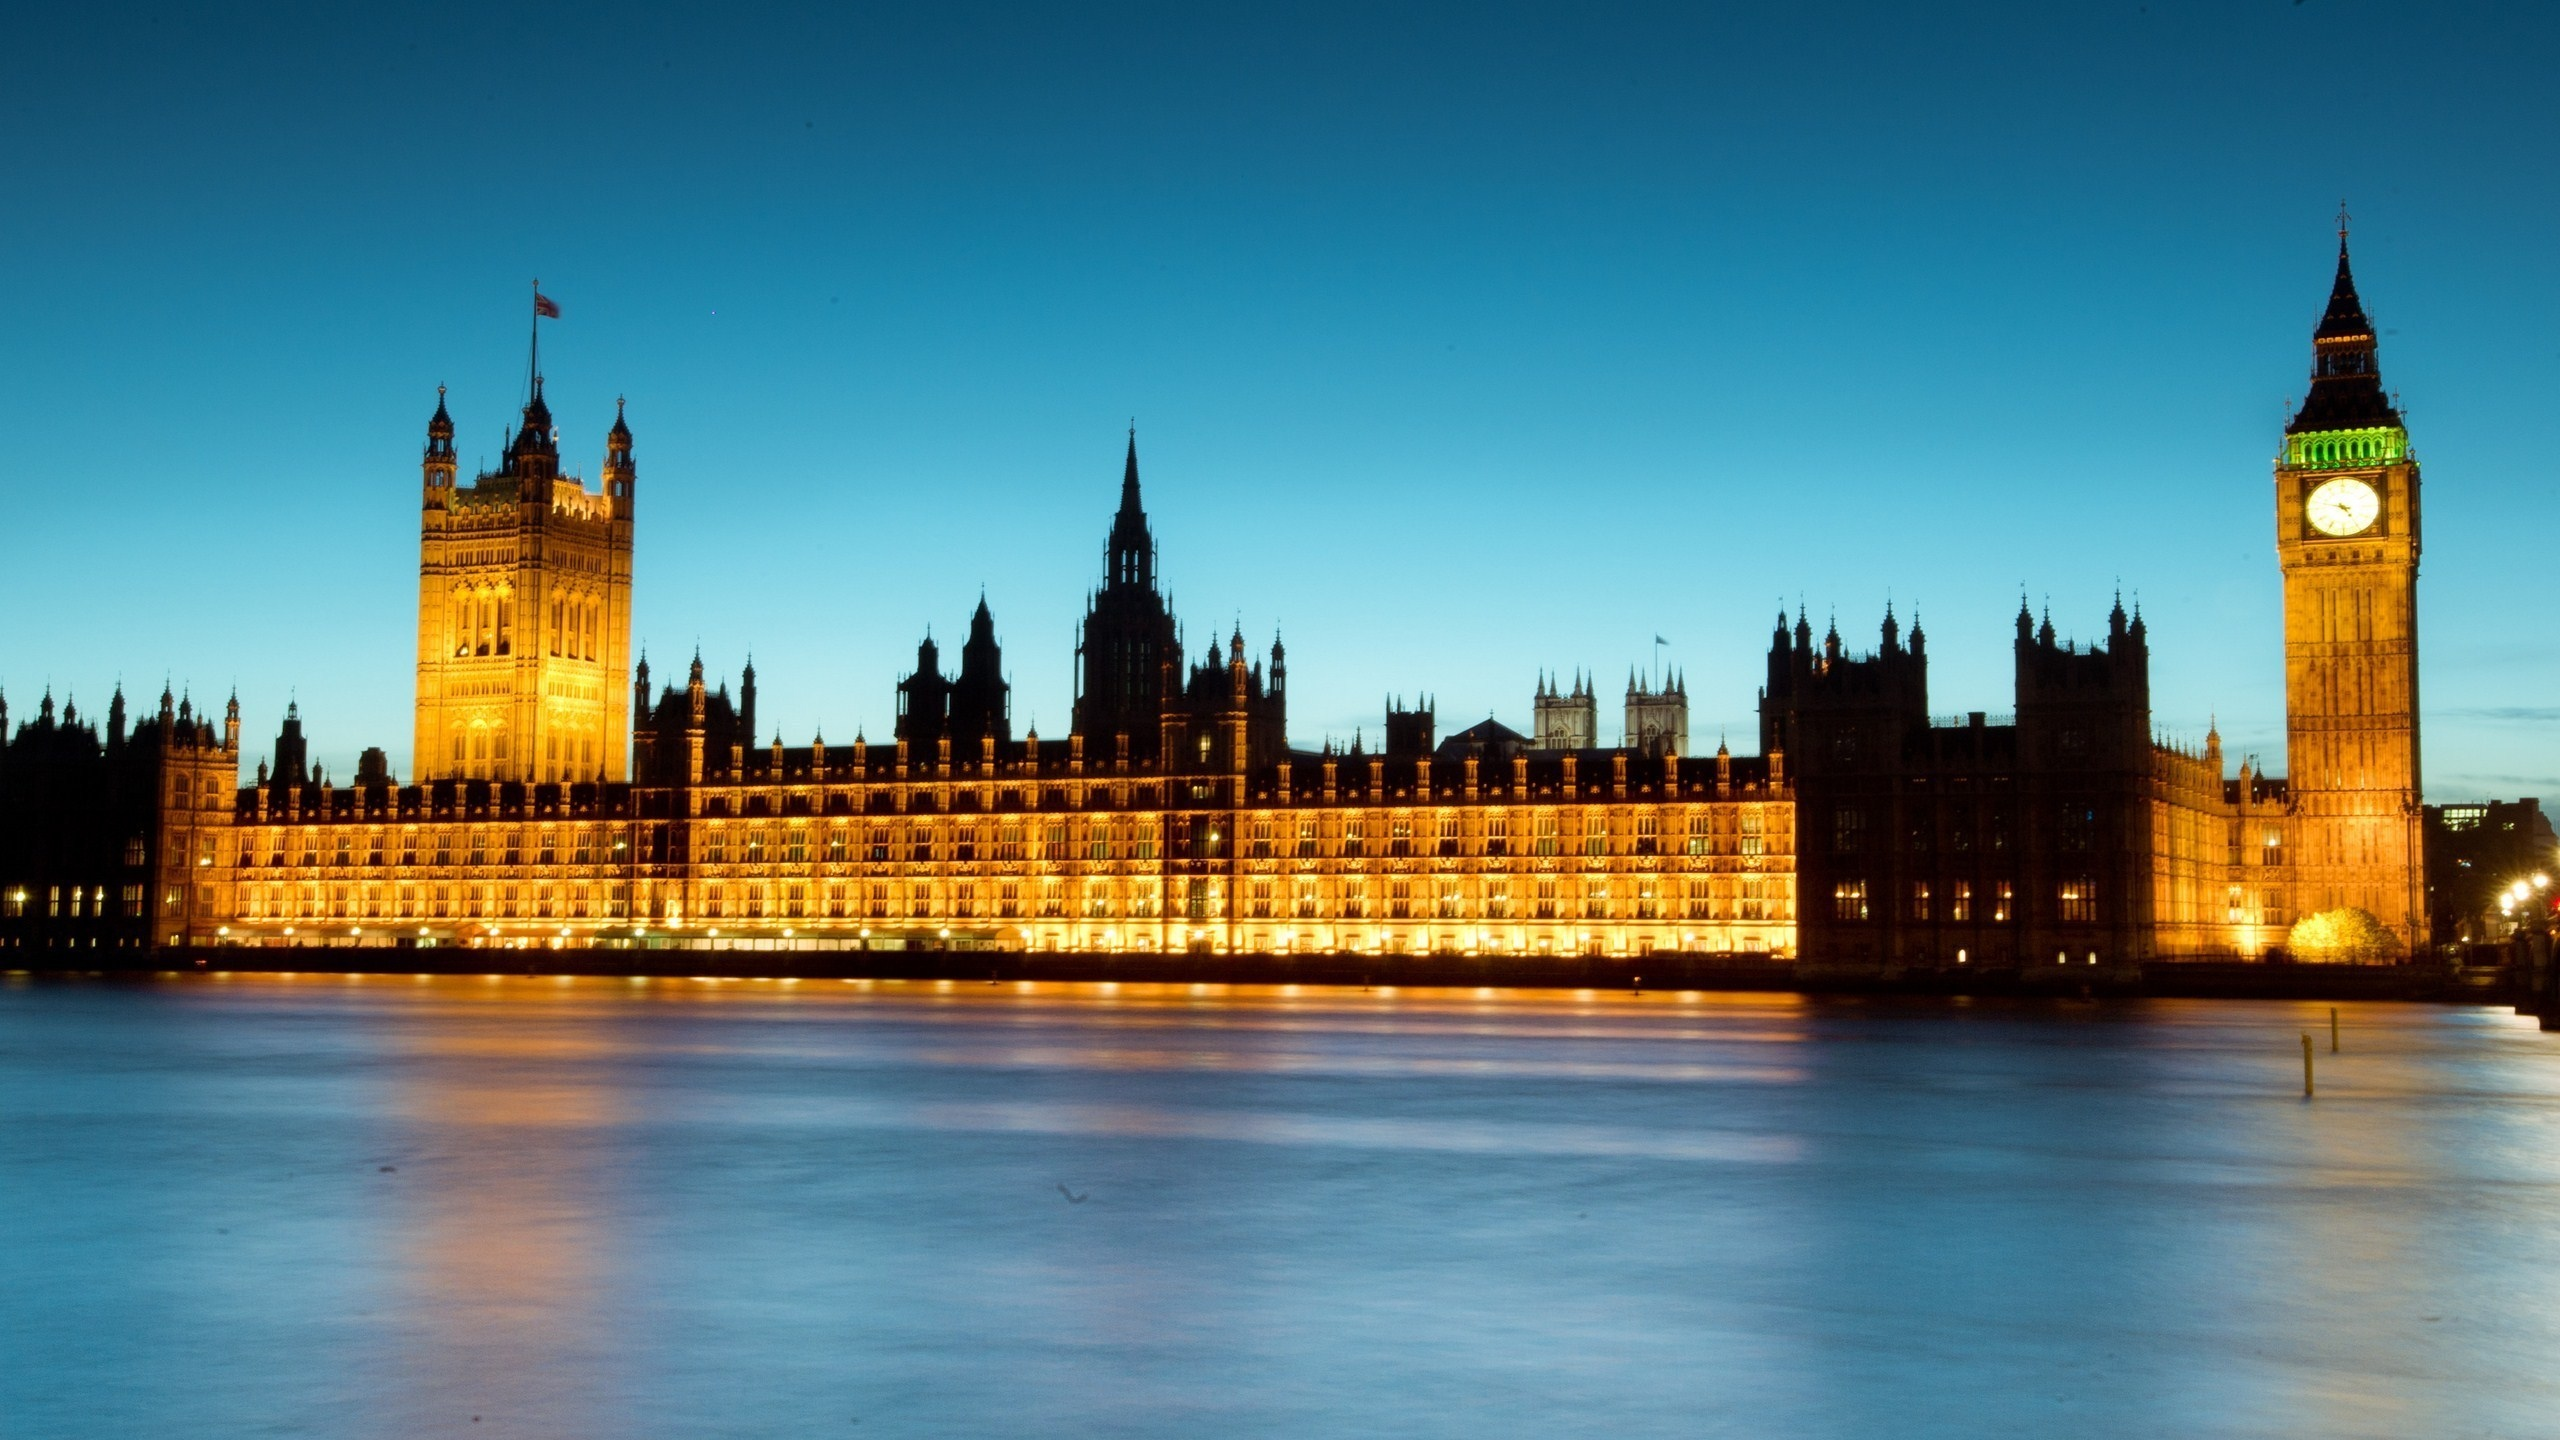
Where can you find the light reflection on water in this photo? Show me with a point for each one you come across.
(680, 1208)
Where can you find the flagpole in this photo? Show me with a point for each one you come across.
(533, 366)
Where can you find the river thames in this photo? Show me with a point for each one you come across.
(395, 1207)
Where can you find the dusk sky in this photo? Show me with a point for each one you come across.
(1462, 342)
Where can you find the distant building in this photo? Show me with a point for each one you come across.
(1658, 720)
(1564, 720)
(2475, 854)
(1485, 740)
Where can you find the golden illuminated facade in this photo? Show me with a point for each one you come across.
(2347, 532)
(1190, 826)
(524, 611)
(557, 801)
(871, 847)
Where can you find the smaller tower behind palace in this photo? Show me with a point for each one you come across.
(1658, 720)
(1564, 720)
(524, 610)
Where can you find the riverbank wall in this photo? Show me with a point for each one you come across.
(2193, 980)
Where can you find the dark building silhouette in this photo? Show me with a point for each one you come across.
(1127, 641)
(974, 711)
(2476, 854)
(1926, 844)
(694, 732)
(102, 835)
(1485, 740)
(1410, 728)
(1228, 714)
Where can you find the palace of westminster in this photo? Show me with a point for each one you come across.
(558, 799)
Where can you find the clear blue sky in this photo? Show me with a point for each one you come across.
(1462, 341)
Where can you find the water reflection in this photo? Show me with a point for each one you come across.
(681, 1208)
(506, 1118)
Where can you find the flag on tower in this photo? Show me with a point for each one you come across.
(545, 306)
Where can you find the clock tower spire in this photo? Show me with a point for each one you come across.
(2347, 542)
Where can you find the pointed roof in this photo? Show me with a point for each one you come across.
(538, 411)
(533, 437)
(1129, 534)
(2346, 368)
(2345, 317)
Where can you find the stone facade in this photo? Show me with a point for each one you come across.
(524, 610)
(555, 804)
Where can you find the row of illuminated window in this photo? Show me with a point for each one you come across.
(71, 901)
(1957, 902)
(577, 627)
(1303, 897)
(482, 624)
(345, 846)
(1546, 834)
(1752, 899)
(434, 902)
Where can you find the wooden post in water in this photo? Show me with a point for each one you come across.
(2333, 1029)
(2306, 1064)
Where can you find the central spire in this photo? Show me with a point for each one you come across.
(1129, 506)
(1132, 549)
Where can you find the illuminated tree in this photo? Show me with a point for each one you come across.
(2345, 936)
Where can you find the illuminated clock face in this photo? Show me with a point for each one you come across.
(2343, 506)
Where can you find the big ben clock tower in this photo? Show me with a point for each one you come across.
(2347, 539)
